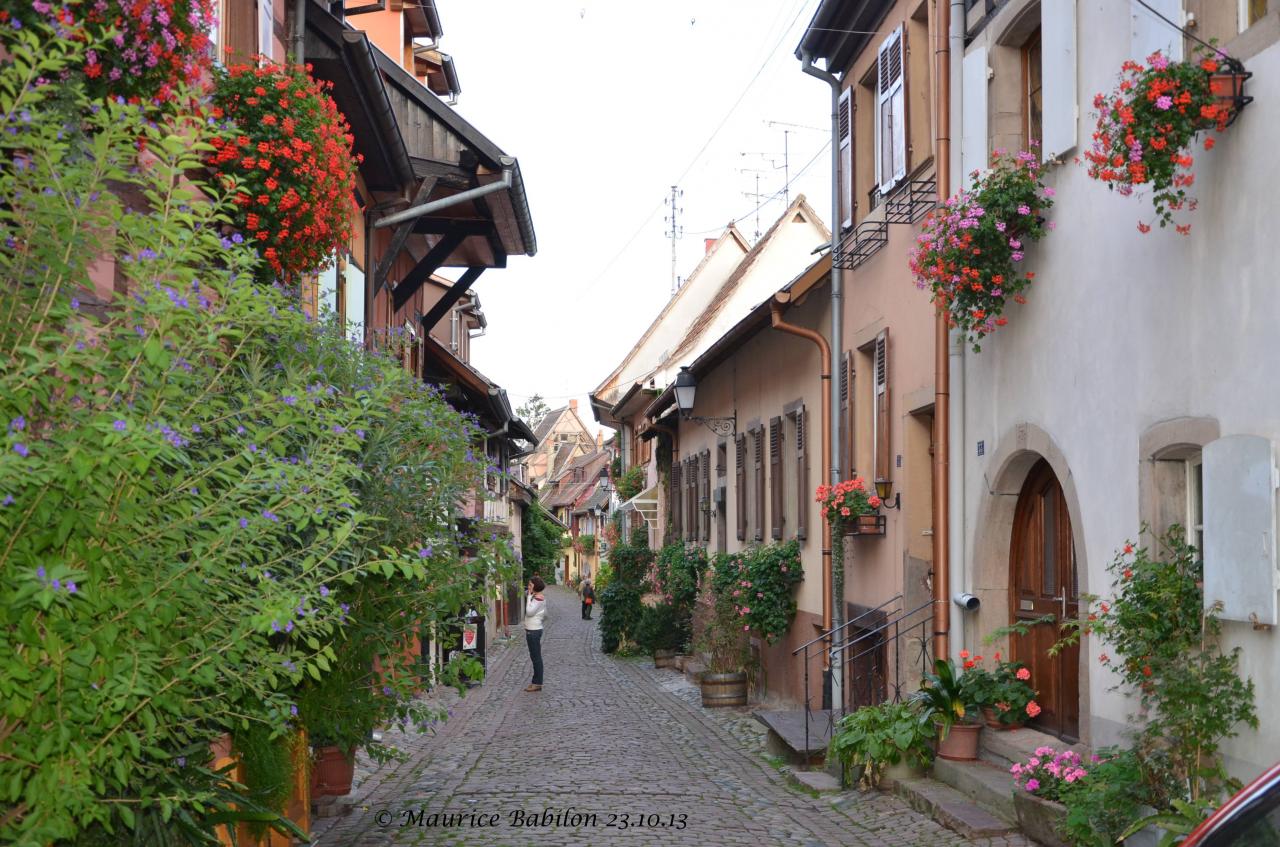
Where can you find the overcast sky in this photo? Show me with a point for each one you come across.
(608, 104)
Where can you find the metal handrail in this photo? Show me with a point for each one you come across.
(889, 622)
(824, 636)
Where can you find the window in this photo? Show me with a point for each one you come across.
(1251, 11)
(1033, 98)
(354, 301)
(891, 129)
(1195, 503)
(265, 23)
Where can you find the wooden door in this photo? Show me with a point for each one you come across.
(1044, 585)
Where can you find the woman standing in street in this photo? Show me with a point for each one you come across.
(535, 611)
(588, 599)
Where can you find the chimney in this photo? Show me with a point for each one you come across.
(708, 243)
(599, 440)
(573, 404)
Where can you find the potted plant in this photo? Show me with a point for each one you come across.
(948, 703)
(970, 249)
(1147, 123)
(844, 505)
(722, 639)
(875, 740)
(660, 634)
(1003, 693)
(1040, 783)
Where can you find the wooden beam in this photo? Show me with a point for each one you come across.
(445, 303)
(401, 234)
(451, 175)
(462, 226)
(430, 263)
(495, 241)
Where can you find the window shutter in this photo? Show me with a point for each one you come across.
(675, 501)
(1240, 528)
(882, 457)
(847, 423)
(973, 114)
(1148, 33)
(689, 475)
(758, 481)
(266, 22)
(1058, 69)
(802, 478)
(776, 504)
(695, 513)
(704, 496)
(240, 24)
(845, 112)
(891, 146)
(740, 494)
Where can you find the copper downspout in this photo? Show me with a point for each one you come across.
(941, 358)
(775, 309)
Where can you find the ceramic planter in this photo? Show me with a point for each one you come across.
(960, 742)
(1040, 819)
(332, 772)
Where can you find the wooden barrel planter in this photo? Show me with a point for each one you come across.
(724, 689)
(664, 658)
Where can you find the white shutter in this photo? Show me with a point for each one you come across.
(891, 127)
(845, 113)
(327, 289)
(1058, 76)
(1148, 33)
(265, 22)
(973, 115)
(1240, 528)
(355, 301)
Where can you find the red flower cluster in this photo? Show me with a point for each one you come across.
(1146, 125)
(846, 500)
(154, 46)
(969, 249)
(289, 162)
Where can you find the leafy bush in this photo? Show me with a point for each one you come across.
(621, 609)
(542, 540)
(874, 736)
(758, 583)
(201, 492)
(676, 575)
(660, 628)
(1003, 689)
(630, 483)
(718, 630)
(1101, 806)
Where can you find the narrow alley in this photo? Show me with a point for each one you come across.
(611, 747)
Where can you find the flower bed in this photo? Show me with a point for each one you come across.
(288, 163)
(969, 251)
(1145, 128)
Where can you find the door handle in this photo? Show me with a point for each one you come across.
(1062, 599)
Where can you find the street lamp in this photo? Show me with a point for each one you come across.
(884, 487)
(686, 387)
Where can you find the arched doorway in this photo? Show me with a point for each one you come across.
(1044, 585)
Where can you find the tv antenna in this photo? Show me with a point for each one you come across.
(676, 232)
(786, 151)
(756, 195)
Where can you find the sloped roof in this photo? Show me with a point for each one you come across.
(548, 422)
(564, 490)
(701, 323)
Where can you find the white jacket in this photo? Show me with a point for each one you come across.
(535, 611)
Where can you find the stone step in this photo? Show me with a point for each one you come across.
(950, 808)
(788, 738)
(693, 670)
(1008, 747)
(819, 781)
(988, 785)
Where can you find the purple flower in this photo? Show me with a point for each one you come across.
(288, 627)
(244, 523)
(18, 424)
(338, 429)
(71, 587)
(293, 710)
(324, 591)
(182, 761)
(290, 400)
(275, 626)
(386, 689)
(1164, 103)
(121, 426)
(1001, 226)
(424, 553)
(253, 448)
(40, 573)
(21, 449)
(1024, 209)
(1033, 784)
(8, 500)
(345, 608)
(269, 515)
(57, 584)
(75, 303)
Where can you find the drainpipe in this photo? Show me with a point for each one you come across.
(454, 199)
(775, 309)
(942, 365)
(958, 535)
(300, 32)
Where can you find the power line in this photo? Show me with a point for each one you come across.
(771, 198)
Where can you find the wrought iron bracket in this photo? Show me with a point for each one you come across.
(861, 244)
(911, 201)
(722, 427)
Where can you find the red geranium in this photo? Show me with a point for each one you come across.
(296, 190)
(1147, 123)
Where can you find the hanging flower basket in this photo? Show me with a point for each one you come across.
(155, 48)
(1147, 124)
(289, 162)
(969, 252)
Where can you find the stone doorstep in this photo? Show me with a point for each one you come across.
(819, 781)
(1004, 748)
(950, 808)
(984, 783)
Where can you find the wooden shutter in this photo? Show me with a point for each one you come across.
(740, 494)
(776, 504)
(847, 422)
(802, 477)
(758, 482)
(973, 113)
(691, 529)
(891, 134)
(241, 28)
(675, 500)
(1058, 67)
(704, 496)
(883, 451)
(846, 156)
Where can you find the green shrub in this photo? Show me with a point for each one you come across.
(621, 609)
(759, 582)
(660, 628)
(874, 736)
(1106, 801)
(630, 483)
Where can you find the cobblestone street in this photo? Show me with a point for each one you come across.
(612, 741)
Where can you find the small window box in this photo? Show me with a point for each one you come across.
(872, 524)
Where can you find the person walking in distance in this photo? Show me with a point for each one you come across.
(535, 612)
(588, 599)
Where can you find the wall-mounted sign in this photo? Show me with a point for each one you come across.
(982, 448)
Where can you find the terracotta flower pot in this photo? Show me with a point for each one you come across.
(1040, 819)
(332, 772)
(960, 742)
(990, 718)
